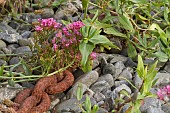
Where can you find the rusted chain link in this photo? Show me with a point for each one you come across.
(37, 100)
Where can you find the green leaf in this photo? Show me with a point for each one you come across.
(161, 56)
(125, 21)
(79, 92)
(140, 1)
(84, 31)
(101, 39)
(166, 11)
(11, 82)
(85, 4)
(95, 16)
(65, 22)
(95, 109)
(113, 31)
(131, 51)
(1, 70)
(140, 66)
(87, 104)
(88, 66)
(85, 49)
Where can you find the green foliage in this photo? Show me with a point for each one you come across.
(91, 37)
(86, 105)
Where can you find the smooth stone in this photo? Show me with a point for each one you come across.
(163, 79)
(2, 62)
(137, 81)
(105, 56)
(8, 34)
(26, 34)
(122, 87)
(167, 67)
(2, 54)
(6, 50)
(99, 97)
(150, 102)
(12, 47)
(117, 57)
(102, 110)
(100, 86)
(119, 67)
(2, 44)
(68, 9)
(154, 110)
(88, 78)
(72, 92)
(119, 83)
(109, 69)
(68, 105)
(47, 13)
(9, 92)
(14, 60)
(108, 78)
(14, 24)
(95, 63)
(125, 74)
(23, 42)
(23, 50)
(166, 108)
(130, 63)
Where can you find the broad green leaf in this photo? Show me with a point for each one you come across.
(161, 56)
(101, 39)
(85, 49)
(131, 51)
(88, 66)
(113, 31)
(125, 21)
(166, 11)
(84, 31)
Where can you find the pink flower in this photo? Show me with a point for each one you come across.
(55, 47)
(38, 28)
(93, 55)
(59, 34)
(164, 92)
(54, 40)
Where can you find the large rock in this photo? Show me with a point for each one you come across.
(8, 34)
(108, 78)
(109, 69)
(88, 79)
(154, 110)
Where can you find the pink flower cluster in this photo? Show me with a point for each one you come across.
(73, 28)
(49, 22)
(164, 92)
(93, 55)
